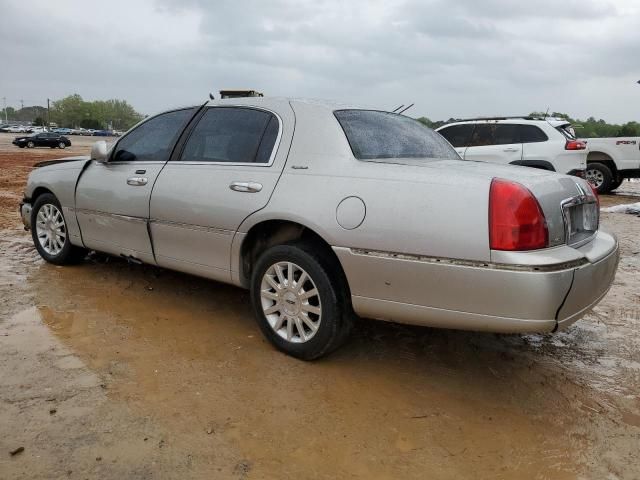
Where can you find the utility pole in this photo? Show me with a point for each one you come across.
(48, 116)
(4, 101)
(21, 104)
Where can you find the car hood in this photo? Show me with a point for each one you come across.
(47, 163)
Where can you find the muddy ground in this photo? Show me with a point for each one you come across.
(114, 371)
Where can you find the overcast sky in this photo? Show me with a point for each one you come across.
(452, 58)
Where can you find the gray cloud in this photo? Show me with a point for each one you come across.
(450, 58)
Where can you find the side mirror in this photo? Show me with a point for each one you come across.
(99, 151)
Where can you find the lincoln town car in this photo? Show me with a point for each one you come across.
(325, 212)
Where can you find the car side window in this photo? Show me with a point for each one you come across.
(458, 135)
(154, 139)
(494, 134)
(532, 134)
(232, 135)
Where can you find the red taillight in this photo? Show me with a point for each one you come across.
(516, 221)
(575, 145)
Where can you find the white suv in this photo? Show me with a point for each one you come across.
(531, 142)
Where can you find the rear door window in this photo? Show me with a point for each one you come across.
(532, 134)
(375, 135)
(485, 134)
(232, 135)
(458, 135)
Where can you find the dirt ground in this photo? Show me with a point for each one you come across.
(114, 371)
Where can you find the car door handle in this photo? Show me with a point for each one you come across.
(250, 187)
(511, 150)
(137, 181)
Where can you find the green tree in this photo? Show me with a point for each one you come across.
(39, 122)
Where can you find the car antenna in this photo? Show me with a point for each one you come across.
(398, 108)
(211, 97)
(405, 109)
(546, 114)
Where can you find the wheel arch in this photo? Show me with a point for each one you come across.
(268, 233)
(40, 190)
(604, 158)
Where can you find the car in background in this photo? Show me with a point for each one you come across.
(17, 129)
(44, 139)
(36, 130)
(525, 141)
(62, 131)
(611, 160)
(103, 133)
(321, 211)
(86, 132)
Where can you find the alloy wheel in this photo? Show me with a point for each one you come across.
(291, 302)
(51, 229)
(595, 178)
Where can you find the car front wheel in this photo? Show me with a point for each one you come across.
(31, 144)
(50, 234)
(299, 302)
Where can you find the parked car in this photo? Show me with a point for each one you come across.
(525, 141)
(611, 160)
(17, 129)
(103, 133)
(45, 139)
(352, 211)
(36, 130)
(86, 132)
(63, 131)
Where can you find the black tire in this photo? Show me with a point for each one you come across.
(62, 145)
(605, 174)
(30, 144)
(69, 253)
(617, 182)
(336, 314)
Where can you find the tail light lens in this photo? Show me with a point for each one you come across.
(575, 145)
(516, 221)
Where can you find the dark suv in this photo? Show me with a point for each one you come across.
(45, 139)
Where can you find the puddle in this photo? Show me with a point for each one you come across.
(178, 360)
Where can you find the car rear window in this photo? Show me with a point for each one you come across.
(457, 135)
(532, 134)
(567, 130)
(375, 135)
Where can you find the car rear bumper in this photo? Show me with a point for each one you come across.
(537, 297)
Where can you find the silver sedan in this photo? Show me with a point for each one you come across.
(328, 211)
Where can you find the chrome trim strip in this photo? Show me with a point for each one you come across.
(110, 215)
(471, 263)
(220, 231)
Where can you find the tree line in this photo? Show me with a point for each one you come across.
(589, 128)
(74, 112)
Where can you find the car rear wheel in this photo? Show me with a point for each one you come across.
(31, 144)
(299, 305)
(50, 234)
(62, 145)
(600, 176)
(617, 182)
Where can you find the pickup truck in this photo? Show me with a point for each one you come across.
(611, 160)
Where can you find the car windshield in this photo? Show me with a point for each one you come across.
(375, 135)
